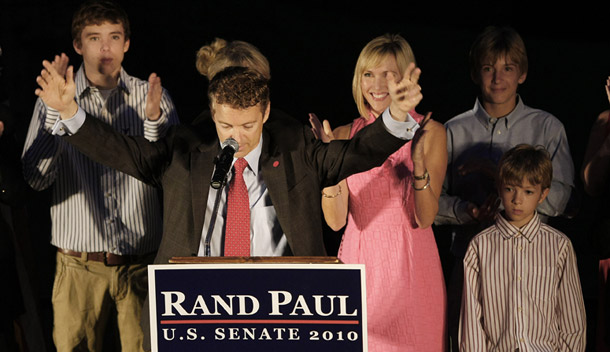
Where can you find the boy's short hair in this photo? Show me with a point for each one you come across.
(96, 12)
(526, 162)
(240, 88)
(494, 43)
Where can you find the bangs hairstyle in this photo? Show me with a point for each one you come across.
(372, 55)
(240, 88)
(96, 13)
(526, 162)
(495, 43)
(220, 54)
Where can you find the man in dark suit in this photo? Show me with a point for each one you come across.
(294, 166)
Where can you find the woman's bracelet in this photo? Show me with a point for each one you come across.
(425, 186)
(422, 177)
(332, 195)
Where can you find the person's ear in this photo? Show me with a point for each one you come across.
(77, 47)
(543, 195)
(266, 113)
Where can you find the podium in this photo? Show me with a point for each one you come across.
(257, 304)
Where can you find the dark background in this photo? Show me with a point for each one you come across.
(312, 47)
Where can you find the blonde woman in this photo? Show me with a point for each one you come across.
(388, 210)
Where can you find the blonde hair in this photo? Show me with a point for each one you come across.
(372, 55)
(220, 54)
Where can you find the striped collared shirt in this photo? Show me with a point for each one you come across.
(521, 291)
(95, 208)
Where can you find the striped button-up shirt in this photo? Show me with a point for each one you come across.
(521, 291)
(95, 208)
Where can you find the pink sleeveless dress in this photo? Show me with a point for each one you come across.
(406, 299)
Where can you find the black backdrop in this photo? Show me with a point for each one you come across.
(313, 47)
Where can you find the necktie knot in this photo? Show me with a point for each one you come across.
(240, 165)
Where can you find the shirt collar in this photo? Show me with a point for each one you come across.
(82, 84)
(253, 157)
(508, 230)
(508, 120)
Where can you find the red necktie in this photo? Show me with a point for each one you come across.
(237, 234)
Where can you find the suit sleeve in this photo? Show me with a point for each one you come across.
(369, 148)
(133, 155)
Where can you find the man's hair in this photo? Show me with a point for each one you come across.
(526, 162)
(494, 43)
(372, 55)
(220, 54)
(96, 12)
(240, 88)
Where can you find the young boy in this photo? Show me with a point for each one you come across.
(521, 286)
(476, 139)
(106, 225)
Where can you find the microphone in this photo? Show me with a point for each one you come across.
(223, 162)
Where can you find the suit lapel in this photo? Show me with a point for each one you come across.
(202, 166)
(274, 168)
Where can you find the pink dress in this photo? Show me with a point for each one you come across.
(406, 299)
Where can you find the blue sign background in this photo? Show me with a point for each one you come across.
(260, 331)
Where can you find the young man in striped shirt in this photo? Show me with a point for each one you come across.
(106, 225)
(521, 286)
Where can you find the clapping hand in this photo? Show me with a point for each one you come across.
(153, 98)
(57, 91)
(322, 131)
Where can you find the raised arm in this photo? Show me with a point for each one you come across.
(334, 198)
(41, 148)
(429, 154)
(596, 164)
(160, 111)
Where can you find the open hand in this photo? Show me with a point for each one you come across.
(60, 63)
(153, 98)
(322, 131)
(405, 92)
(57, 92)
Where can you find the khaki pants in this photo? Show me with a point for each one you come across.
(85, 293)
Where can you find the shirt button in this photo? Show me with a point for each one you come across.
(499, 132)
(519, 277)
(520, 248)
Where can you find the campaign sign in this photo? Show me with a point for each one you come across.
(257, 307)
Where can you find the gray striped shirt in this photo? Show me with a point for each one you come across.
(521, 291)
(95, 208)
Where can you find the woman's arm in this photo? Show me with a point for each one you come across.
(335, 198)
(429, 154)
(596, 164)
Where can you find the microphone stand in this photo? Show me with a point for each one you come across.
(208, 237)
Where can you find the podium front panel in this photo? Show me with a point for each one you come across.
(257, 307)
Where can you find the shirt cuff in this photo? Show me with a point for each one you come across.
(403, 130)
(154, 129)
(71, 125)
